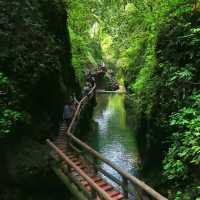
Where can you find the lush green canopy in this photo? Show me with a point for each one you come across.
(153, 46)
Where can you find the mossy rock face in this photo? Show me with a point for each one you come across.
(35, 56)
(26, 172)
(30, 162)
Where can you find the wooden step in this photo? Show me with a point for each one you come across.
(78, 165)
(101, 183)
(107, 187)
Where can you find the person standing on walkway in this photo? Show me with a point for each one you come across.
(87, 89)
(91, 78)
(68, 112)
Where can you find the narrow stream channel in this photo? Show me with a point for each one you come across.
(113, 136)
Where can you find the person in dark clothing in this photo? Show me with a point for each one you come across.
(68, 112)
(87, 88)
(91, 78)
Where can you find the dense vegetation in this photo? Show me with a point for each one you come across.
(154, 47)
(36, 78)
(35, 62)
(90, 42)
(86, 48)
(163, 77)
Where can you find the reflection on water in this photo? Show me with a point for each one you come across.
(114, 138)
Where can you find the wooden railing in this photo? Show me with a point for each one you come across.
(127, 181)
(81, 105)
(95, 189)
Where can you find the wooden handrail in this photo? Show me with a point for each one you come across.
(124, 174)
(69, 129)
(100, 191)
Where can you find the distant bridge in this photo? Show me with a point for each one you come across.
(76, 164)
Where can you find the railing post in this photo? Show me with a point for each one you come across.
(125, 187)
(95, 165)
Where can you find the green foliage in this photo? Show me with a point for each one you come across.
(184, 154)
(9, 117)
(8, 120)
(84, 33)
(155, 45)
(35, 67)
(152, 45)
(79, 57)
(36, 78)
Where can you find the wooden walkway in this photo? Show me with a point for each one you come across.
(77, 165)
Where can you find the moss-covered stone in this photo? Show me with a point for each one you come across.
(35, 56)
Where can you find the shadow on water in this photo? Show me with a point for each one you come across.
(112, 136)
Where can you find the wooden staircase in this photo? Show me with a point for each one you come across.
(81, 165)
(61, 141)
(76, 164)
(104, 185)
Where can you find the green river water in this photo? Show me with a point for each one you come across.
(112, 135)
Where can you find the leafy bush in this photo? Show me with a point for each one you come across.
(35, 57)
(84, 33)
(9, 117)
(159, 57)
(183, 157)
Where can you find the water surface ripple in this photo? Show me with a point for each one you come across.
(113, 137)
